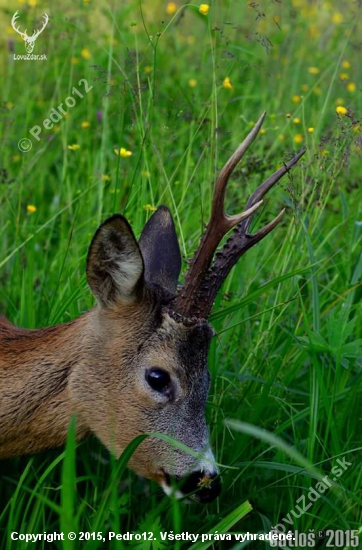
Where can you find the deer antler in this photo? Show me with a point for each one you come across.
(203, 280)
(13, 21)
(37, 32)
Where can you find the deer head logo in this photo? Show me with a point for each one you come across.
(29, 40)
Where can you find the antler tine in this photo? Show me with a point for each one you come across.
(263, 189)
(259, 235)
(220, 223)
(197, 296)
(37, 32)
(217, 213)
(237, 244)
(14, 18)
(233, 249)
(13, 21)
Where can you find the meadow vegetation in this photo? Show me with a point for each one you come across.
(172, 93)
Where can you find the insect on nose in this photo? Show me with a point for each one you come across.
(206, 487)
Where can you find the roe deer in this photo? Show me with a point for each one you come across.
(137, 362)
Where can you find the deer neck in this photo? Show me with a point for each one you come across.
(35, 401)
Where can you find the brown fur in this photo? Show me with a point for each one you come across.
(89, 367)
(34, 391)
(95, 367)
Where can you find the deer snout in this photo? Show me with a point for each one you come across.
(203, 487)
(203, 482)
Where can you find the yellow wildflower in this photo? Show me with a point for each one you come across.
(351, 87)
(296, 120)
(74, 147)
(346, 65)
(85, 53)
(313, 70)
(298, 138)
(281, 137)
(311, 130)
(337, 18)
(122, 152)
(262, 132)
(313, 31)
(32, 3)
(227, 84)
(340, 110)
(357, 128)
(31, 209)
(148, 69)
(344, 76)
(85, 124)
(74, 60)
(296, 98)
(204, 9)
(149, 208)
(171, 8)
(192, 83)
(105, 177)
(15, 158)
(305, 87)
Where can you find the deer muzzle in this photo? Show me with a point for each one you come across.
(202, 484)
(202, 487)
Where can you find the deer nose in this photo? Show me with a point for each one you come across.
(205, 487)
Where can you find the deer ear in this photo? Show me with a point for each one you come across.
(160, 251)
(114, 262)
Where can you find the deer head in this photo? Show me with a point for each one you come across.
(147, 370)
(150, 368)
(137, 362)
(29, 40)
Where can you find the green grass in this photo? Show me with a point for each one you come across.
(286, 362)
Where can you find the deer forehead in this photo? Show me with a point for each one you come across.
(140, 338)
(177, 346)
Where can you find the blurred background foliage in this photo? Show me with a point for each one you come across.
(172, 91)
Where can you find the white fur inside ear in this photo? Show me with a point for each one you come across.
(127, 266)
(128, 271)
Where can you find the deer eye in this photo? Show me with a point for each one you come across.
(158, 379)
